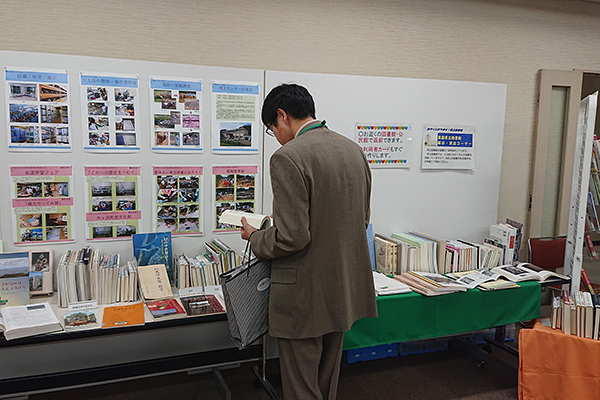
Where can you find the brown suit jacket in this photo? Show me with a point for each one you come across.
(321, 279)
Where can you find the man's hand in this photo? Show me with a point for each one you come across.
(247, 229)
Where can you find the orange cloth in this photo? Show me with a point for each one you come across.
(553, 365)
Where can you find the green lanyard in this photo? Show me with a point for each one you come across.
(322, 124)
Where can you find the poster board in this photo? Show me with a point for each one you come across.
(126, 111)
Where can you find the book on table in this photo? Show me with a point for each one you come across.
(28, 320)
(384, 285)
(154, 248)
(521, 272)
(483, 279)
(123, 315)
(41, 271)
(430, 284)
(154, 282)
(386, 255)
(166, 309)
(234, 217)
(79, 320)
(14, 278)
(203, 304)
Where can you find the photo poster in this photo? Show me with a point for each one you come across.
(235, 118)
(177, 199)
(176, 110)
(112, 211)
(43, 204)
(234, 188)
(37, 110)
(448, 147)
(109, 108)
(385, 145)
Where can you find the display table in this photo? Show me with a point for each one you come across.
(553, 365)
(412, 316)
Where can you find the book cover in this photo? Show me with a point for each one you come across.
(166, 309)
(41, 271)
(14, 278)
(123, 315)
(154, 282)
(205, 304)
(83, 319)
(154, 248)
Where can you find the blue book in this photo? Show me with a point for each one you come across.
(154, 248)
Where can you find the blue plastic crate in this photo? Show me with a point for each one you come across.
(422, 346)
(370, 353)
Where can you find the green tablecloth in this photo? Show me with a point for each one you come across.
(412, 316)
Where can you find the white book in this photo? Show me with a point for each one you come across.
(520, 273)
(504, 233)
(28, 320)
(385, 285)
(234, 217)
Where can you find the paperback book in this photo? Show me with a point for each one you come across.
(123, 315)
(154, 248)
(165, 309)
(78, 320)
(206, 304)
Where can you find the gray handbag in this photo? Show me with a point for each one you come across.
(246, 291)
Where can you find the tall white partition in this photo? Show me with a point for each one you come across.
(449, 204)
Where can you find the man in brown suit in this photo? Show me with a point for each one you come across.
(321, 279)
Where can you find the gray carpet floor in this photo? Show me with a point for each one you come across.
(440, 375)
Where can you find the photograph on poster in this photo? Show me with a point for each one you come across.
(97, 94)
(23, 112)
(125, 110)
(53, 93)
(97, 109)
(102, 204)
(24, 134)
(23, 91)
(191, 139)
(56, 189)
(237, 134)
(125, 230)
(125, 138)
(124, 94)
(52, 114)
(99, 139)
(125, 188)
(61, 233)
(97, 123)
(166, 182)
(33, 189)
(56, 219)
(101, 189)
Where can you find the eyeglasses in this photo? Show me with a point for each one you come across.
(268, 131)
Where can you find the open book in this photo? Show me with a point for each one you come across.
(483, 279)
(28, 320)
(234, 217)
(520, 273)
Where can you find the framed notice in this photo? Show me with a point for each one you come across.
(448, 147)
(385, 145)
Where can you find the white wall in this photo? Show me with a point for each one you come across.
(503, 41)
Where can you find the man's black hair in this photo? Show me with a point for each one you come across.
(291, 98)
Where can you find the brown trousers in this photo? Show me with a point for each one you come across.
(310, 368)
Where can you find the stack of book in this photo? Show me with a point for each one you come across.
(430, 284)
(410, 251)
